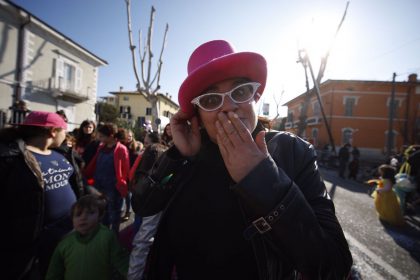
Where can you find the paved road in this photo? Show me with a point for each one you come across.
(379, 251)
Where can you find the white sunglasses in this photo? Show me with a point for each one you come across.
(213, 101)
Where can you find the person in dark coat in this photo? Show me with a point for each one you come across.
(76, 179)
(85, 135)
(36, 195)
(235, 201)
(354, 163)
(343, 159)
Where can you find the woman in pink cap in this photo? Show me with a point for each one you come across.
(237, 202)
(36, 194)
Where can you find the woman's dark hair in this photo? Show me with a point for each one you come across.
(154, 137)
(62, 114)
(165, 138)
(121, 135)
(387, 172)
(70, 138)
(90, 202)
(149, 157)
(83, 139)
(108, 129)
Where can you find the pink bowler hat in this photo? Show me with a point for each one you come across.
(45, 119)
(216, 61)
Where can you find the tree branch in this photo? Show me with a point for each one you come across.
(142, 57)
(160, 60)
(149, 47)
(132, 46)
(278, 104)
(324, 59)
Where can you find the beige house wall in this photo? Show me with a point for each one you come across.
(8, 52)
(46, 54)
(40, 75)
(138, 106)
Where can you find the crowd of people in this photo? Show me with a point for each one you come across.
(396, 187)
(64, 181)
(215, 196)
(394, 184)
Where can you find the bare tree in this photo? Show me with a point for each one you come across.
(277, 101)
(148, 85)
(303, 113)
(304, 59)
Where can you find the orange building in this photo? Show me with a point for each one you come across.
(358, 113)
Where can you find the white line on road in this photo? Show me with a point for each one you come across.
(374, 258)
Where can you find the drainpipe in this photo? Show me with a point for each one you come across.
(20, 58)
(410, 114)
(407, 110)
(390, 142)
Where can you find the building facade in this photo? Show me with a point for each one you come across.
(358, 113)
(43, 67)
(136, 109)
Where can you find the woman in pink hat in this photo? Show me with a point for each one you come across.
(237, 202)
(36, 194)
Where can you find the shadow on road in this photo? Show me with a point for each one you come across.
(348, 184)
(406, 237)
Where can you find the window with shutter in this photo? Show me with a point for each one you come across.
(68, 75)
(349, 104)
(59, 73)
(316, 109)
(79, 75)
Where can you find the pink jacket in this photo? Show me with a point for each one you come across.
(121, 164)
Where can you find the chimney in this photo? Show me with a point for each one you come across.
(121, 88)
(412, 77)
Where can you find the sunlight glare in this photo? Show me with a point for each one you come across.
(316, 35)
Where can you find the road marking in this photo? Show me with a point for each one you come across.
(374, 258)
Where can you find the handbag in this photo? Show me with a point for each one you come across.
(403, 180)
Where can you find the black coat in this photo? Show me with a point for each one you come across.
(76, 179)
(21, 208)
(283, 197)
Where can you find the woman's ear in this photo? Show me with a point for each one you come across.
(53, 132)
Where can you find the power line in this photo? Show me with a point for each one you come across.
(396, 48)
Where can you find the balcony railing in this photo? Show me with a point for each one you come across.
(67, 89)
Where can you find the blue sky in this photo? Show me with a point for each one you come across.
(378, 37)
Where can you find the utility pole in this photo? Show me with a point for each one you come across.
(390, 144)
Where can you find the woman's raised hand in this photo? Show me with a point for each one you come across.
(240, 152)
(186, 134)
